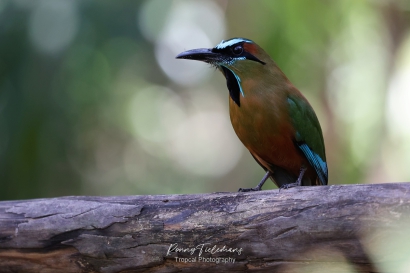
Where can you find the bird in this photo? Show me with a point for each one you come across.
(270, 116)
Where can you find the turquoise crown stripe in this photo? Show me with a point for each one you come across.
(225, 44)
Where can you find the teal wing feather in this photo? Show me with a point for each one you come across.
(309, 137)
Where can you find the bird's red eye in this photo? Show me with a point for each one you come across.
(237, 49)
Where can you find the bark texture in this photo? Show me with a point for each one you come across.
(356, 228)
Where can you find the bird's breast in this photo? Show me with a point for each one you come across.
(263, 125)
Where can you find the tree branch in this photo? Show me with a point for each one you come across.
(332, 227)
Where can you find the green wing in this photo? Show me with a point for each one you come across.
(309, 137)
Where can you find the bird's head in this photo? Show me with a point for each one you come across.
(238, 59)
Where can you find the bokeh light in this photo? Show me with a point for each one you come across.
(189, 24)
(53, 25)
(198, 139)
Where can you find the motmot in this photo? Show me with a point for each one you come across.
(270, 116)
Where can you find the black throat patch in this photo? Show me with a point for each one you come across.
(232, 85)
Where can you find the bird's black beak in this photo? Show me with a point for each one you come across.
(200, 54)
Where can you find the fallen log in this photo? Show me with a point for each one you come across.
(331, 228)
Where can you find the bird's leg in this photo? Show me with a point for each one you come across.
(298, 181)
(259, 187)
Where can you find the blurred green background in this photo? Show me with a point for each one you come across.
(93, 102)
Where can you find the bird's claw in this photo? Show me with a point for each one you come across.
(290, 185)
(249, 189)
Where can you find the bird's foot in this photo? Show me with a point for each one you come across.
(259, 186)
(290, 185)
(298, 181)
(249, 189)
